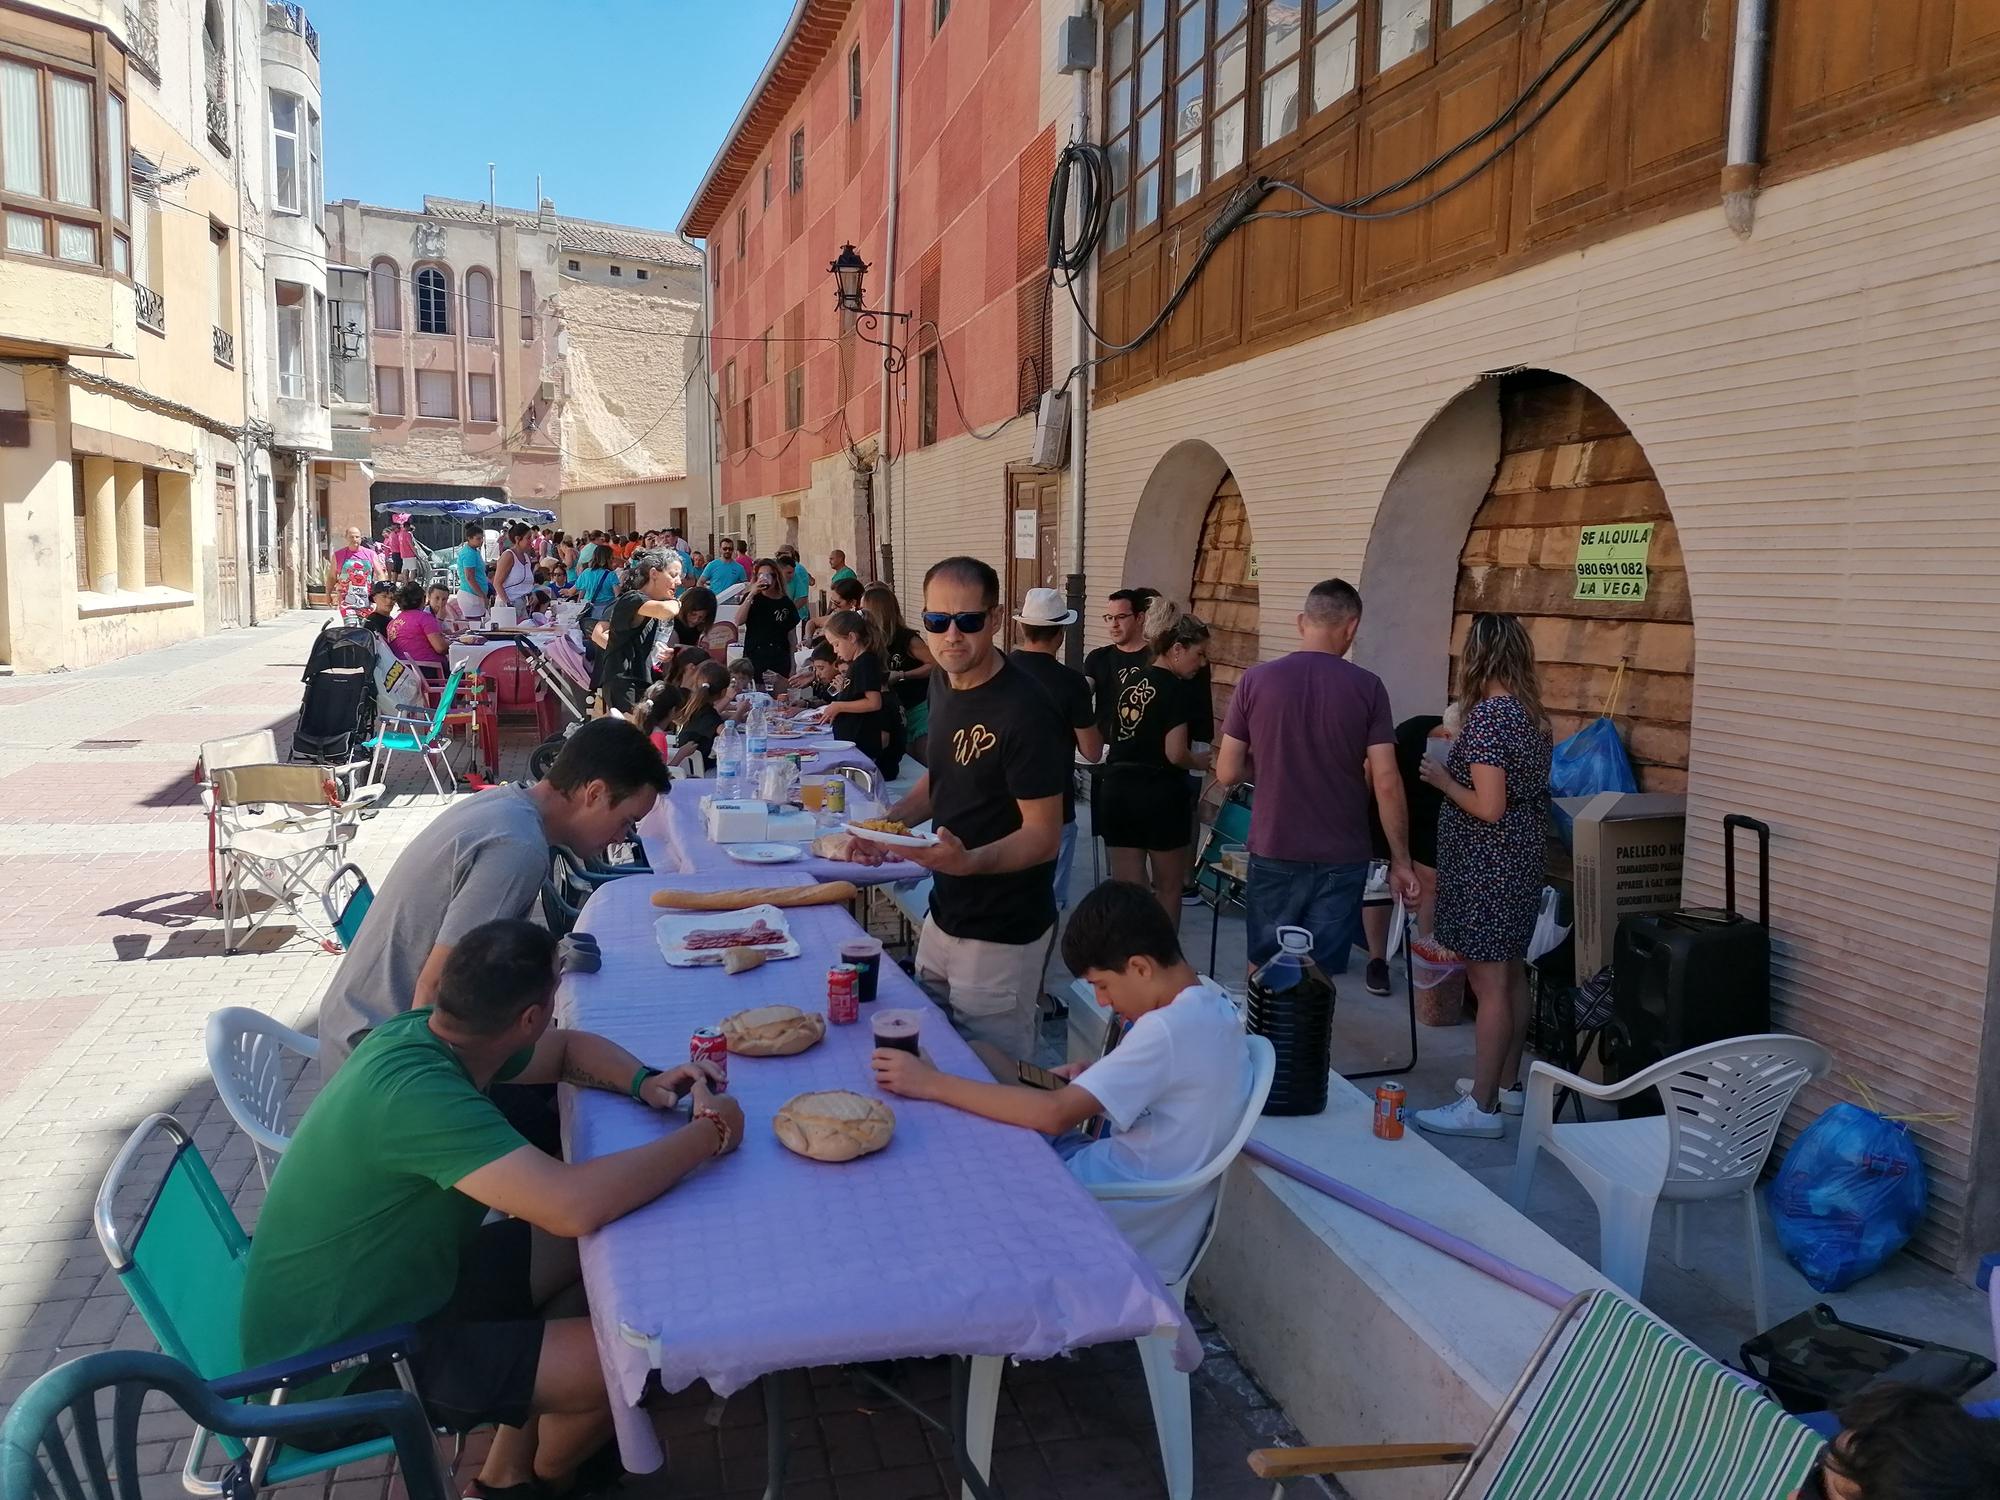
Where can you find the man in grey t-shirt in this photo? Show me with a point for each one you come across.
(483, 859)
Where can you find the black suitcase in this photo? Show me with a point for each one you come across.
(1684, 978)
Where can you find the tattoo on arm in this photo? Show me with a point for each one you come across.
(583, 1078)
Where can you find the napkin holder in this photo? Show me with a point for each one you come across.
(751, 821)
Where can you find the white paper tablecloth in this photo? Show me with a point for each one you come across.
(674, 840)
(963, 1237)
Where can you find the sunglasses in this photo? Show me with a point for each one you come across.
(969, 622)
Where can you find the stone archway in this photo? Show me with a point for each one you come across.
(1484, 513)
(1191, 540)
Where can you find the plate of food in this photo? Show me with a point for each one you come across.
(690, 940)
(889, 831)
(763, 854)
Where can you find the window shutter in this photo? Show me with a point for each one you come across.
(1032, 297)
(150, 510)
(929, 274)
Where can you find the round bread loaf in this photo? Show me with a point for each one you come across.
(773, 1030)
(834, 1126)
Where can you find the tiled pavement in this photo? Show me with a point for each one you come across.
(109, 962)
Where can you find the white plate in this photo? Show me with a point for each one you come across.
(671, 932)
(763, 854)
(894, 840)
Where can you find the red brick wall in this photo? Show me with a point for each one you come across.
(975, 174)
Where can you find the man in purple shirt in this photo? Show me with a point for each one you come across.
(1315, 734)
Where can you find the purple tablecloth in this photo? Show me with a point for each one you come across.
(962, 1237)
(674, 840)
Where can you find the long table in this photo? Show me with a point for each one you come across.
(675, 841)
(963, 1237)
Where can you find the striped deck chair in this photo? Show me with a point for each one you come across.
(1629, 1410)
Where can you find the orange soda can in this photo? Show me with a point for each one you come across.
(1389, 1111)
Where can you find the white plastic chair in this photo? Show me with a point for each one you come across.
(1168, 1387)
(1724, 1103)
(246, 1058)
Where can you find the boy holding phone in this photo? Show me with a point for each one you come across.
(1173, 1089)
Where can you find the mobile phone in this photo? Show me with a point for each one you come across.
(1036, 1078)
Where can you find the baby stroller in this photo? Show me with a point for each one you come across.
(571, 702)
(337, 712)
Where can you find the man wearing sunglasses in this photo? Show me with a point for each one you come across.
(999, 762)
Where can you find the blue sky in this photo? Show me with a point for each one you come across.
(618, 106)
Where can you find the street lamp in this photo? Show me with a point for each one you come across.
(848, 269)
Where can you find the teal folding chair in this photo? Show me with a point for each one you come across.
(182, 1266)
(1628, 1408)
(1217, 888)
(422, 733)
(347, 898)
(39, 1460)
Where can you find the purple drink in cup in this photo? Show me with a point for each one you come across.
(865, 955)
(898, 1030)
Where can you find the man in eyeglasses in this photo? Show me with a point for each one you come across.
(1109, 665)
(999, 761)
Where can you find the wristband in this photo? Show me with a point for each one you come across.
(714, 1117)
(639, 1078)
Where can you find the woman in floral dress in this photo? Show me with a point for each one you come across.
(1492, 844)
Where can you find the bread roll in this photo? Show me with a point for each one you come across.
(827, 893)
(772, 1030)
(834, 1126)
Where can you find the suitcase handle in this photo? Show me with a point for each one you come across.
(1730, 824)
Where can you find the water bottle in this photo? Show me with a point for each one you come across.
(1291, 1004)
(756, 744)
(729, 763)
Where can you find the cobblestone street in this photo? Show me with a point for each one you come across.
(114, 960)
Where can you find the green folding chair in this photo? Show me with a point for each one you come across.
(1217, 888)
(422, 733)
(39, 1460)
(1629, 1408)
(182, 1266)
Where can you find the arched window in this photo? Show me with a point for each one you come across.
(478, 305)
(432, 289)
(387, 296)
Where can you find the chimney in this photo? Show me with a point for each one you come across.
(546, 219)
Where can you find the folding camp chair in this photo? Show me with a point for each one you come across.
(248, 1054)
(259, 749)
(347, 898)
(279, 828)
(38, 1458)
(1629, 1408)
(1218, 889)
(183, 1269)
(424, 733)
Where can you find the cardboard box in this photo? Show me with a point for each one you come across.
(1629, 847)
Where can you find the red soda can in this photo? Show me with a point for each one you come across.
(709, 1045)
(843, 994)
(1389, 1111)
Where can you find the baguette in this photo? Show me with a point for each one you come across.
(827, 893)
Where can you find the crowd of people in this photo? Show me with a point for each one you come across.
(438, 1056)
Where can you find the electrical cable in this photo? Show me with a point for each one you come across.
(951, 380)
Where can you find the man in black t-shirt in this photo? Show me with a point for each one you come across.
(1109, 666)
(646, 600)
(999, 760)
(1041, 620)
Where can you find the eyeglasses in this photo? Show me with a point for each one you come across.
(969, 622)
(1114, 619)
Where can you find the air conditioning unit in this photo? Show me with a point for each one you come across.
(546, 391)
(1052, 431)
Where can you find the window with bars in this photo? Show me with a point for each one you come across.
(1193, 88)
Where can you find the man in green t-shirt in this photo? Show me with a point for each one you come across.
(837, 567)
(374, 1215)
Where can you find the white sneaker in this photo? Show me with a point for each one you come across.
(1460, 1117)
(1511, 1100)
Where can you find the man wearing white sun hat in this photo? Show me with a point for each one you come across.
(1042, 620)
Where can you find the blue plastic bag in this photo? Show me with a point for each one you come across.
(1590, 761)
(1849, 1195)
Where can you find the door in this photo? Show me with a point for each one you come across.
(1223, 591)
(1034, 518)
(623, 519)
(228, 591)
(288, 565)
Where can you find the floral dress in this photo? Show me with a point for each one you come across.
(1490, 874)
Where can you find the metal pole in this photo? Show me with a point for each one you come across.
(710, 448)
(884, 455)
(1081, 345)
(1749, 71)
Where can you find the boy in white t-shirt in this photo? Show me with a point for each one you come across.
(1173, 1090)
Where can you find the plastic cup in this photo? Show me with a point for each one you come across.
(812, 795)
(865, 954)
(899, 1030)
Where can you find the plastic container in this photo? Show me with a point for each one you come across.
(729, 763)
(1291, 1004)
(1815, 1361)
(1437, 981)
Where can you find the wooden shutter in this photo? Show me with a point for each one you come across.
(82, 526)
(1033, 296)
(150, 506)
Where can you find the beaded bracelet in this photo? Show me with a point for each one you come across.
(721, 1128)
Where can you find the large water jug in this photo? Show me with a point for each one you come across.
(1291, 1004)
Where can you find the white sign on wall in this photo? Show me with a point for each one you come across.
(1027, 534)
